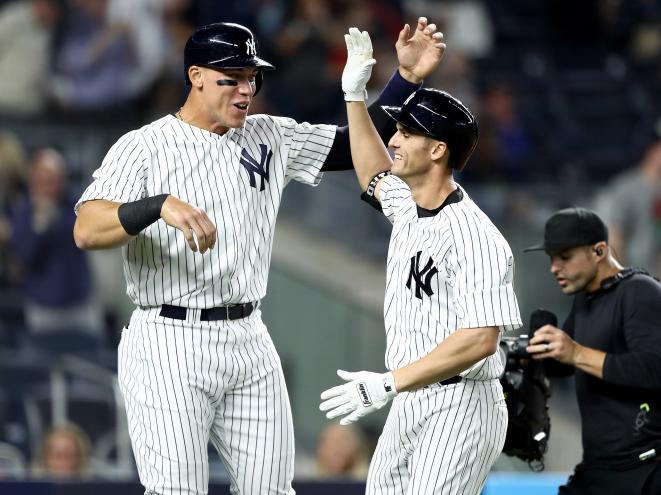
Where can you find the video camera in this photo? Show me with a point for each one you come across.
(527, 391)
(514, 347)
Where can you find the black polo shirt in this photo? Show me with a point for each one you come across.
(621, 413)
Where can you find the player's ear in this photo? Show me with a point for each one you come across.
(195, 76)
(438, 150)
(600, 249)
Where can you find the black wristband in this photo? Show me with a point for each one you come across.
(137, 215)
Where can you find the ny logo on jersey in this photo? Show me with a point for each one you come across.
(417, 274)
(260, 168)
(251, 49)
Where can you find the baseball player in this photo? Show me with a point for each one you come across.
(192, 199)
(448, 296)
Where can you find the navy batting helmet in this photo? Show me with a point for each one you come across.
(441, 116)
(224, 45)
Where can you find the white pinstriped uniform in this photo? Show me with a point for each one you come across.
(188, 382)
(446, 271)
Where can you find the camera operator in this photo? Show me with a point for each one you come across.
(612, 340)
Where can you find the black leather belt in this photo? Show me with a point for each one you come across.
(448, 381)
(451, 380)
(234, 312)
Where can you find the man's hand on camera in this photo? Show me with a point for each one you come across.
(551, 342)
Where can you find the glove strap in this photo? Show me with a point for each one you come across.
(356, 96)
(389, 384)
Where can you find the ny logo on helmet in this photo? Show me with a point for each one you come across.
(250, 47)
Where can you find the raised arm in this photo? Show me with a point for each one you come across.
(368, 152)
(418, 54)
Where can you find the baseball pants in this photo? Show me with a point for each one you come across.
(187, 382)
(442, 439)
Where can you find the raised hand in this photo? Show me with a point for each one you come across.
(358, 68)
(192, 221)
(419, 54)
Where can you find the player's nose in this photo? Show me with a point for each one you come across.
(246, 87)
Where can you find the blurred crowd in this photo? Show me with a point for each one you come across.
(505, 60)
(565, 93)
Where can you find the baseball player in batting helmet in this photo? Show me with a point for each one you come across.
(440, 116)
(448, 296)
(224, 45)
(196, 362)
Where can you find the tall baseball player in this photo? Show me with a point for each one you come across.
(448, 296)
(192, 199)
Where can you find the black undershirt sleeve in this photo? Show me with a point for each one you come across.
(640, 367)
(395, 92)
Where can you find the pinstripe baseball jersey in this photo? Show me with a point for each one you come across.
(446, 271)
(236, 178)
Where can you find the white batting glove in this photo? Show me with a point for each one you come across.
(365, 393)
(358, 69)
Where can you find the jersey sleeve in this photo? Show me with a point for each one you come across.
(393, 194)
(309, 145)
(122, 174)
(484, 274)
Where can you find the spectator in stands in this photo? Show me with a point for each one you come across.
(56, 276)
(146, 35)
(342, 453)
(92, 59)
(26, 32)
(506, 149)
(12, 463)
(303, 42)
(631, 207)
(168, 91)
(64, 454)
(13, 171)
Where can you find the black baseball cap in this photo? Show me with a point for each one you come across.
(570, 228)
